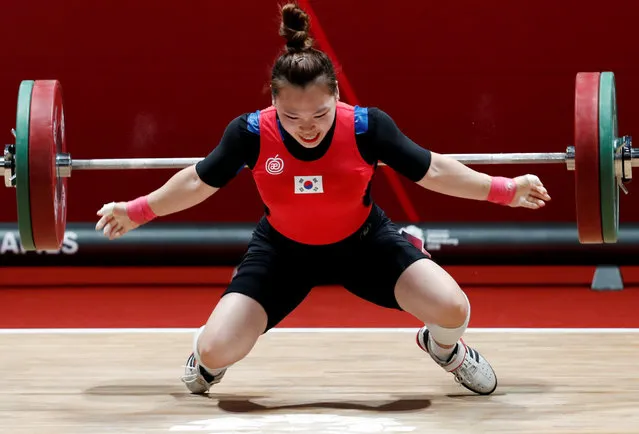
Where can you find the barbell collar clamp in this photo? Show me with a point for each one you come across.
(570, 158)
(629, 157)
(8, 166)
(63, 164)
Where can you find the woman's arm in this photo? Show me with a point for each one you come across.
(448, 176)
(445, 175)
(186, 188)
(194, 184)
(183, 190)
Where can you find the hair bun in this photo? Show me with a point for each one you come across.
(294, 28)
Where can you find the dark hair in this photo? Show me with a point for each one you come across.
(300, 64)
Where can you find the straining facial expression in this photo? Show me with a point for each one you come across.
(306, 113)
(303, 82)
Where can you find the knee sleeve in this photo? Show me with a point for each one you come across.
(449, 336)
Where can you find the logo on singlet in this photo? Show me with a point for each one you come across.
(274, 165)
(308, 184)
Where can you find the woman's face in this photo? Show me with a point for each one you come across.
(306, 113)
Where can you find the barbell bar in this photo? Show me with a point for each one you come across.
(65, 164)
(38, 166)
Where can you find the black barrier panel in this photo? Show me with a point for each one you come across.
(224, 244)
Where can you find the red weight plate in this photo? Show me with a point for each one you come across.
(46, 140)
(587, 191)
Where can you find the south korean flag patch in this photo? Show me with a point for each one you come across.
(308, 184)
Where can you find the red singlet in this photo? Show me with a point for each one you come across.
(313, 202)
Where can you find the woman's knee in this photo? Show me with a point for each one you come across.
(221, 348)
(457, 311)
(432, 295)
(231, 331)
(451, 311)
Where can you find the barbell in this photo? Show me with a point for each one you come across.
(38, 163)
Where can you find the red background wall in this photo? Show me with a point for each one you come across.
(162, 79)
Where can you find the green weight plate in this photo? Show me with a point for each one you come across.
(23, 117)
(607, 143)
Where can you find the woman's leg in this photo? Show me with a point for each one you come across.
(268, 285)
(390, 271)
(430, 294)
(227, 337)
(230, 332)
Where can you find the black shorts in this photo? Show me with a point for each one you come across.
(279, 273)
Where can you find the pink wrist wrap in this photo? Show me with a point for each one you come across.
(502, 190)
(139, 210)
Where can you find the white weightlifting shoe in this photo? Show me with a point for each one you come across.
(198, 380)
(470, 369)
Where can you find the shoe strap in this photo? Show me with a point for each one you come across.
(457, 358)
